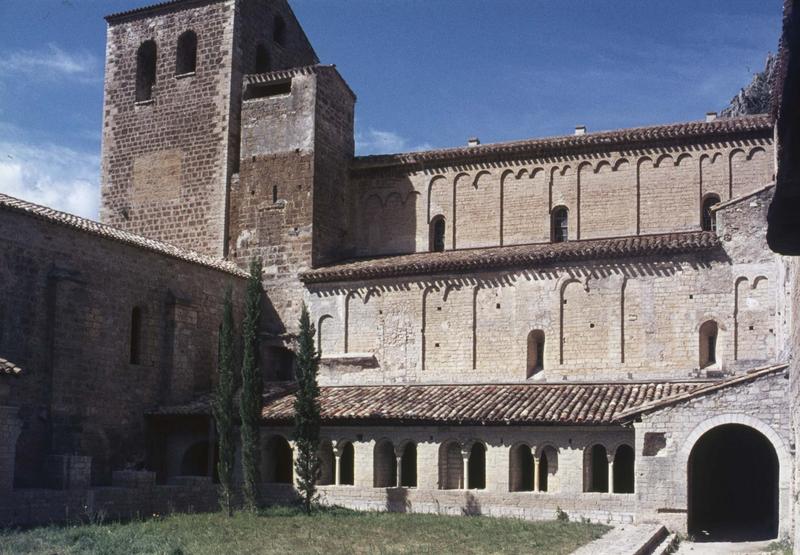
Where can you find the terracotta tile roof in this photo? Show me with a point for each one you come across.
(566, 144)
(8, 368)
(520, 256)
(707, 389)
(114, 234)
(486, 404)
(541, 404)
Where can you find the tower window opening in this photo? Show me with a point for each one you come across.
(262, 62)
(708, 343)
(560, 225)
(145, 70)
(186, 61)
(279, 30)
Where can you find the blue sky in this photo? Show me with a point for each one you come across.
(428, 73)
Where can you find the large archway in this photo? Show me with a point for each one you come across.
(733, 485)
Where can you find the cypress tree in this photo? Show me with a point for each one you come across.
(223, 406)
(307, 413)
(252, 388)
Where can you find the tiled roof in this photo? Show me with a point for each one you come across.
(114, 234)
(709, 388)
(153, 7)
(8, 368)
(288, 73)
(550, 146)
(485, 404)
(520, 256)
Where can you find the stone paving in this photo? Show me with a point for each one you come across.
(719, 548)
(628, 539)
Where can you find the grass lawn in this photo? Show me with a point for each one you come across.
(287, 531)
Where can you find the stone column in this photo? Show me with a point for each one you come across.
(399, 471)
(337, 468)
(536, 474)
(465, 471)
(610, 474)
(10, 427)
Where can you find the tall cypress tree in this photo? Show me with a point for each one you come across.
(252, 388)
(307, 413)
(223, 406)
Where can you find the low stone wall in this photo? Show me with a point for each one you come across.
(596, 507)
(30, 507)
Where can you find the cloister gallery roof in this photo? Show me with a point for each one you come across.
(487, 404)
(113, 234)
(512, 257)
(8, 368)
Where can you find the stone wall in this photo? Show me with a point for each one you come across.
(607, 194)
(624, 319)
(661, 476)
(566, 485)
(288, 206)
(167, 161)
(67, 306)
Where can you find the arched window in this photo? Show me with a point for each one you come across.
(145, 70)
(278, 461)
(437, 230)
(560, 225)
(384, 465)
(535, 352)
(279, 30)
(596, 469)
(186, 58)
(521, 470)
(709, 219)
(195, 460)
(408, 466)
(451, 466)
(347, 465)
(327, 463)
(708, 343)
(623, 469)
(476, 467)
(280, 361)
(262, 62)
(136, 336)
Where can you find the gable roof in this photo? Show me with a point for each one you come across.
(114, 234)
(513, 257)
(657, 404)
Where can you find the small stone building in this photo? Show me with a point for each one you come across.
(591, 323)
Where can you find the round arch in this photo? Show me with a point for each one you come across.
(772, 445)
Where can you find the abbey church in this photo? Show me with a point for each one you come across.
(591, 323)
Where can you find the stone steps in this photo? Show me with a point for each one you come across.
(630, 539)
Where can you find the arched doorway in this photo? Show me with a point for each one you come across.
(733, 485)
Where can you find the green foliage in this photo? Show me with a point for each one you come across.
(282, 530)
(307, 413)
(561, 515)
(252, 388)
(223, 406)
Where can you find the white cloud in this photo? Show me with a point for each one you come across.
(51, 63)
(51, 175)
(375, 141)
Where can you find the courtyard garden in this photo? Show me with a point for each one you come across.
(285, 530)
